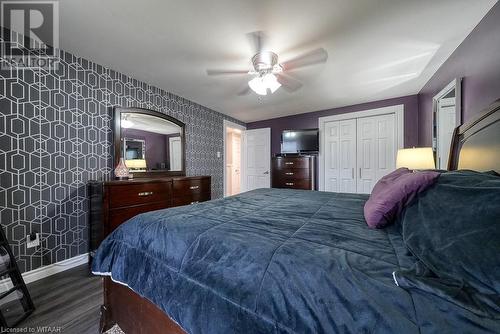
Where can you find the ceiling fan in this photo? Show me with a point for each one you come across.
(268, 74)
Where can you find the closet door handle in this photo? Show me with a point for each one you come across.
(360, 173)
(352, 172)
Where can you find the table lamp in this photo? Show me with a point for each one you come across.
(136, 164)
(416, 158)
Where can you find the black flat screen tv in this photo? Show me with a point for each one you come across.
(300, 141)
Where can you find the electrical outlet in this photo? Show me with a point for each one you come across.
(218, 154)
(30, 243)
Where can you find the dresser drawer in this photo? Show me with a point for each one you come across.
(291, 163)
(191, 199)
(119, 216)
(142, 193)
(188, 187)
(294, 174)
(293, 184)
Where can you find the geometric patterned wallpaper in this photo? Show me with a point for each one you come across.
(55, 135)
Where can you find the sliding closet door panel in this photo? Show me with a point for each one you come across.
(376, 150)
(332, 159)
(366, 154)
(386, 145)
(340, 156)
(347, 156)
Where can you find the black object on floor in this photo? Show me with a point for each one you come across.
(15, 303)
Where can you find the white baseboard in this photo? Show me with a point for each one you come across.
(46, 271)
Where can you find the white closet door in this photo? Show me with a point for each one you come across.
(332, 161)
(347, 156)
(376, 141)
(340, 157)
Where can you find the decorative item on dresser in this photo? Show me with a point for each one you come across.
(114, 202)
(296, 172)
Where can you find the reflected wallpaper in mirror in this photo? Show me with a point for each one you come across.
(150, 143)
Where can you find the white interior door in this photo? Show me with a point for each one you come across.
(175, 153)
(446, 120)
(340, 156)
(376, 150)
(236, 166)
(256, 159)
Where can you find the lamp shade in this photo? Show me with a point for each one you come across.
(416, 158)
(136, 163)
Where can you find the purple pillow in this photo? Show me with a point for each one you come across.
(393, 192)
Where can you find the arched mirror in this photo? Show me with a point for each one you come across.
(151, 143)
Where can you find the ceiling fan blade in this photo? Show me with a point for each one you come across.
(317, 56)
(257, 41)
(288, 83)
(226, 72)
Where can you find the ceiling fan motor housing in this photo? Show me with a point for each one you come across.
(265, 62)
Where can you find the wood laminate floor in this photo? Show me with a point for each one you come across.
(69, 301)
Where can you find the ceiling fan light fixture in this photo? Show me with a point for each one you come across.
(257, 86)
(271, 82)
(126, 124)
(261, 84)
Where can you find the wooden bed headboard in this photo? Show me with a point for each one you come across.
(476, 145)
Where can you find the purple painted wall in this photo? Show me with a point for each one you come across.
(477, 61)
(310, 120)
(156, 147)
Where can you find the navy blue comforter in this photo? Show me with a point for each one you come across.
(276, 261)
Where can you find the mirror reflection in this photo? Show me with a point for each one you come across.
(446, 117)
(150, 143)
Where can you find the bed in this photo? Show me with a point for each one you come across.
(293, 261)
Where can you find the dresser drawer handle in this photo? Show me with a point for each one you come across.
(289, 183)
(289, 173)
(145, 193)
(288, 163)
(194, 187)
(194, 202)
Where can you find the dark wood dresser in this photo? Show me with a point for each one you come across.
(114, 202)
(296, 172)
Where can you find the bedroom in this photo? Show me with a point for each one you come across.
(250, 167)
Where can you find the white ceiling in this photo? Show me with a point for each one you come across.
(377, 49)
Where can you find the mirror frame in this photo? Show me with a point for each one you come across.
(117, 115)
